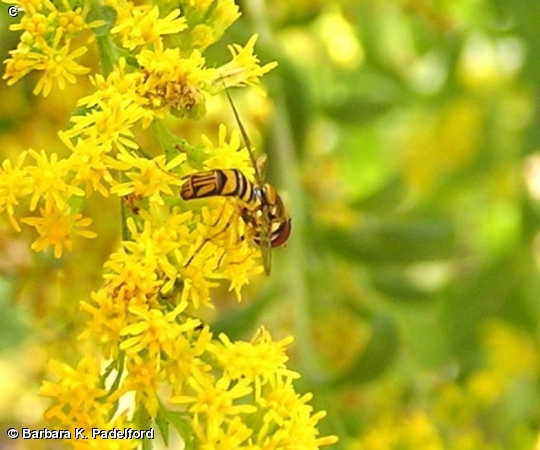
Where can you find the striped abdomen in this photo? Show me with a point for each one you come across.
(218, 182)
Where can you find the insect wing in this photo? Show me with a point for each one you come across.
(265, 238)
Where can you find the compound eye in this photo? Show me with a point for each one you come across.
(282, 234)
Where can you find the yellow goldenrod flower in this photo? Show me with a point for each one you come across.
(57, 63)
(215, 402)
(142, 378)
(288, 419)
(110, 122)
(18, 65)
(108, 316)
(91, 164)
(202, 36)
(141, 25)
(144, 317)
(48, 181)
(228, 152)
(174, 83)
(210, 20)
(244, 68)
(35, 24)
(226, 13)
(152, 178)
(134, 278)
(73, 21)
(155, 332)
(231, 434)
(79, 393)
(188, 360)
(55, 229)
(261, 361)
(118, 83)
(14, 184)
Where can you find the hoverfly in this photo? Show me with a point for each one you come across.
(262, 209)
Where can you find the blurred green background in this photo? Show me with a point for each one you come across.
(405, 137)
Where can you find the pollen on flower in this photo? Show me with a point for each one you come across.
(172, 82)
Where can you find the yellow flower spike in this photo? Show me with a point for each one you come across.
(231, 394)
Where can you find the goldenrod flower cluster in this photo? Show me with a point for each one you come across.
(156, 364)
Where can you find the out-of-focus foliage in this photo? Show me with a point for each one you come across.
(406, 138)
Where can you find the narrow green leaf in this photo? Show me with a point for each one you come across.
(102, 12)
(393, 283)
(377, 357)
(163, 426)
(392, 242)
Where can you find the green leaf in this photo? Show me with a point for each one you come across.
(12, 328)
(393, 283)
(163, 426)
(107, 14)
(179, 421)
(385, 200)
(236, 322)
(356, 109)
(392, 242)
(377, 357)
